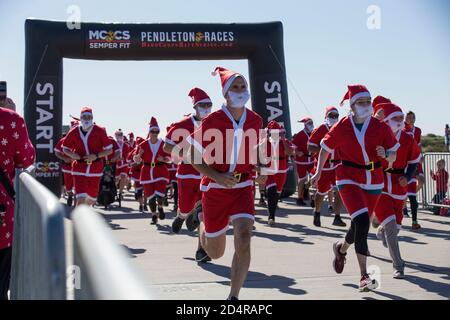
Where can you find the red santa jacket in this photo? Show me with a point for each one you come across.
(415, 132)
(177, 135)
(135, 168)
(228, 146)
(16, 151)
(359, 147)
(91, 142)
(124, 151)
(152, 169)
(316, 137)
(66, 167)
(441, 178)
(115, 147)
(408, 153)
(300, 140)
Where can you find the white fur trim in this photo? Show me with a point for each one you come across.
(325, 147)
(362, 186)
(364, 94)
(242, 215)
(188, 176)
(214, 185)
(216, 234)
(387, 220)
(359, 212)
(154, 180)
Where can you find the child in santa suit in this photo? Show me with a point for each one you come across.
(303, 159)
(154, 174)
(327, 181)
(278, 150)
(416, 182)
(67, 166)
(188, 178)
(135, 174)
(87, 144)
(389, 210)
(121, 171)
(361, 142)
(227, 175)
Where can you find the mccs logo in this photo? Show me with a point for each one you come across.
(109, 36)
(47, 166)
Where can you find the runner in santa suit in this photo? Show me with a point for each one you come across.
(389, 210)
(304, 161)
(378, 112)
(131, 141)
(67, 166)
(122, 168)
(189, 194)
(154, 174)
(87, 144)
(327, 181)
(417, 181)
(135, 176)
(278, 150)
(173, 183)
(361, 142)
(227, 175)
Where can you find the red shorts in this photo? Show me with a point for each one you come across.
(86, 187)
(220, 206)
(326, 182)
(389, 209)
(412, 187)
(188, 194)
(68, 181)
(357, 200)
(303, 170)
(153, 189)
(122, 171)
(277, 180)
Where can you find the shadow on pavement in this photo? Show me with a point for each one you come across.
(378, 292)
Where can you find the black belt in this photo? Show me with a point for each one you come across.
(334, 161)
(87, 161)
(395, 171)
(154, 164)
(370, 167)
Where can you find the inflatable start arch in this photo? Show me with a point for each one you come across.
(48, 42)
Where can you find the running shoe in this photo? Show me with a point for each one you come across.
(338, 222)
(177, 224)
(366, 283)
(202, 256)
(339, 258)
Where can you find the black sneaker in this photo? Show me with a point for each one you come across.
(177, 223)
(141, 208)
(202, 256)
(193, 220)
(70, 200)
(330, 209)
(301, 202)
(338, 222)
(145, 207)
(405, 212)
(162, 215)
(152, 205)
(317, 219)
(154, 219)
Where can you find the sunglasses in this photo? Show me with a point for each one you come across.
(154, 132)
(333, 116)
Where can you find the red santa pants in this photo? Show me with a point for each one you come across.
(326, 182)
(389, 209)
(277, 180)
(220, 206)
(357, 200)
(86, 187)
(303, 170)
(156, 188)
(188, 195)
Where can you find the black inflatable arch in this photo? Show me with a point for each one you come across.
(48, 42)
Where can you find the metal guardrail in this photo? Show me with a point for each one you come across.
(430, 195)
(105, 268)
(38, 259)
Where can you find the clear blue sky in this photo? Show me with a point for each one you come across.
(327, 46)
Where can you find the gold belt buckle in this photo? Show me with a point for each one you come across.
(153, 165)
(88, 162)
(372, 164)
(237, 175)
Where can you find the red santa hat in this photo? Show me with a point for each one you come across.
(305, 120)
(330, 109)
(354, 93)
(73, 123)
(377, 101)
(275, 126)
(139, 140)
(153, 124)
(390, 111)
(85, 111)
(199, 96)
(226, 78)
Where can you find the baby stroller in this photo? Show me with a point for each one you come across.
(108, 190)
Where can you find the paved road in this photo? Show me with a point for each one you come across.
(289, 261)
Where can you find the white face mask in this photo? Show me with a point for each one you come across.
(202, 112)
(86, 124)
(309, 127)
(363, 112)
(119, 139)
(238, 99)
(395, 125)
(330, 122)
